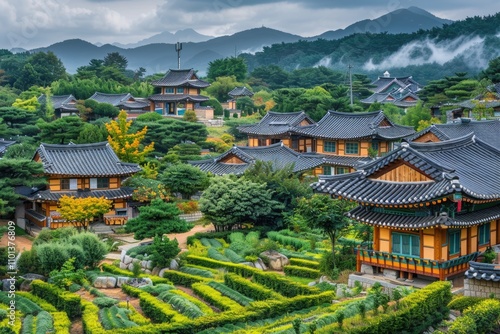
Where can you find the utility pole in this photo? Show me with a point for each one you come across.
(350, 83)
(178, 48)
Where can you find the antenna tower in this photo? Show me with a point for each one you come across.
(178, 48)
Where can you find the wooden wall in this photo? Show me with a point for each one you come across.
(428, 137)
(82, 183)
(402, 173)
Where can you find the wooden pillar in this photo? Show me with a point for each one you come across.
(358, 260)
(438, 244)
(469, 247)
(376, 238)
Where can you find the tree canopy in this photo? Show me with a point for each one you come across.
(226, 67)
(184, 179)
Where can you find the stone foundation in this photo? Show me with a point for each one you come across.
(481, 288)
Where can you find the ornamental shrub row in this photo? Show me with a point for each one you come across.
(230, 293)
(180, 278)
(153, 308)
(304, 263)
(240, 269)
(463, 302)
(485, 315)
(301, 271)
(216, 298)
(62, 323)
(201, 305)
(415, 313)
(116, 270)
(289, 241)
(62, 300)
(24, 305)
(249, 289)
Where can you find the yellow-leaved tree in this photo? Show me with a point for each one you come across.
(81, 211)
(127, 146)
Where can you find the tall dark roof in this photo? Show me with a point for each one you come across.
(278, 154)
(465, 164)
(47, 195)
(123, 100)
(240, 91)
(97, 159)
(178, 98)
(343, 125)
(60, 101)
(176, 78)
(397, 97)
(385, 82)
(487, 131)
(275, 123)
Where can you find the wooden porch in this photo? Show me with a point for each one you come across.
(413, 265)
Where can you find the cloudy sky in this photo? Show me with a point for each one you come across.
(36, 23)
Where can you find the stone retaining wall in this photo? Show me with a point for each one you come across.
(481, 288)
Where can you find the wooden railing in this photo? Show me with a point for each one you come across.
(415, 265)
(115, 220)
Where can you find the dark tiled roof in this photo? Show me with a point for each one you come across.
(125, 100)
(240, 91)
(278, 154)
(471, 104)
(275, 123)
(60, 101)
(178, 98)
(369, 216)
(466, 164)
(176, 78)
(4, 144)
(342, 125)
(487, 131)
(383, 83)
(47, 195)
(483, 271)
(97, 159)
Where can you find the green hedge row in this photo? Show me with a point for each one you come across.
(415, 313)
(304, 263)
(215, 298)
(461, 303)
(278, 283)
(116, 270)
(301, 271)
(153, 308)
(289, 241)
(249, 289)
(481, 318)
(62, 300)
(184, 279)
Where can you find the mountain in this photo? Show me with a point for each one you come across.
(183, 36)
(157, 53)
(405, 20)
(159, 57)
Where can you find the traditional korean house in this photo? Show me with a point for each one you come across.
(64, 105)
(83, 170)
(433, 206)
(400, 91)
(276, 127)
(240, 158)
(133, 106)
(487, 131)
(179, 90)
(4, 144)
(236, 93)
(490, 100)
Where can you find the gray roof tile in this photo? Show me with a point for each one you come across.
(97, 159)
(47, 195)
(240, 91)
(179, 78)
(276, 123)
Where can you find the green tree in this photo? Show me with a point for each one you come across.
(20, 151)
(190, 116)
(272, 77)
(115, 59)
(40, 69)
(492, 72)
(13, 173)
(158, 218)
(231, 66)
(246, 105)
(218, 110)
(163, 250)
(323, 212)
(416, 114)
(62, 130)
(15, 119)
(92, 133)
(228, 202)
(220, 88)
(184, 179)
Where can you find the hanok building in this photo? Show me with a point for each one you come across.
(133, 106)
(487, 131)
(237, 93)
(240, 158)
(433, 206)
(64, 105)
(490, 100)
(83, 170)
(400, 91)
(179, 90)
(4, 144)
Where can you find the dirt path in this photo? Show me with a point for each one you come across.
(182, 237)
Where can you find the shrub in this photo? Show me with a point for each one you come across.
(62, 300)
(304, 263)
(463, 325)
(183, 279)
(163, 251)
(197, 272)
(301, 271)
(3, 314)
(461, 303)
(28, 262)
(485, 315)
(24, 305)
(289, 241)
(103, 302)
(248, 288)
(233, 294)
(181, 304)
(155, 290)
(37, 300)
(215, 298)
(44, 323)
(51, 256)
(214, 254)
(155, 309)
(231, 255)
(94, 249)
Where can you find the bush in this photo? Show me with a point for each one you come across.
(304, 263)
(289, 241)
(231, 255)
(181, 304)
(94, 249)
(3, 314)
(215, 297)
(232, 294)
(214, 254)
(153, 308)
(461, 303)
(485, 315)
(28, 262)
(249, 289)
(183, 279)
(163, 251)
(44, 323)
(103, 302)
(197, 272)
(301, 271)
(62, 300)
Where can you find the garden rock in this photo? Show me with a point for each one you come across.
(261, 264)
(127, 260)
(155, 271)
(313, 283)
(6, 284)
(149, 264)
(123, 266)
(147, 272)
(105, 282)
(122, 255)
(121, 280)
(276, 260)
(162, 271)
(343, 291)
(173, 265)
(250, 264)
(257, 265)
(138, 282)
